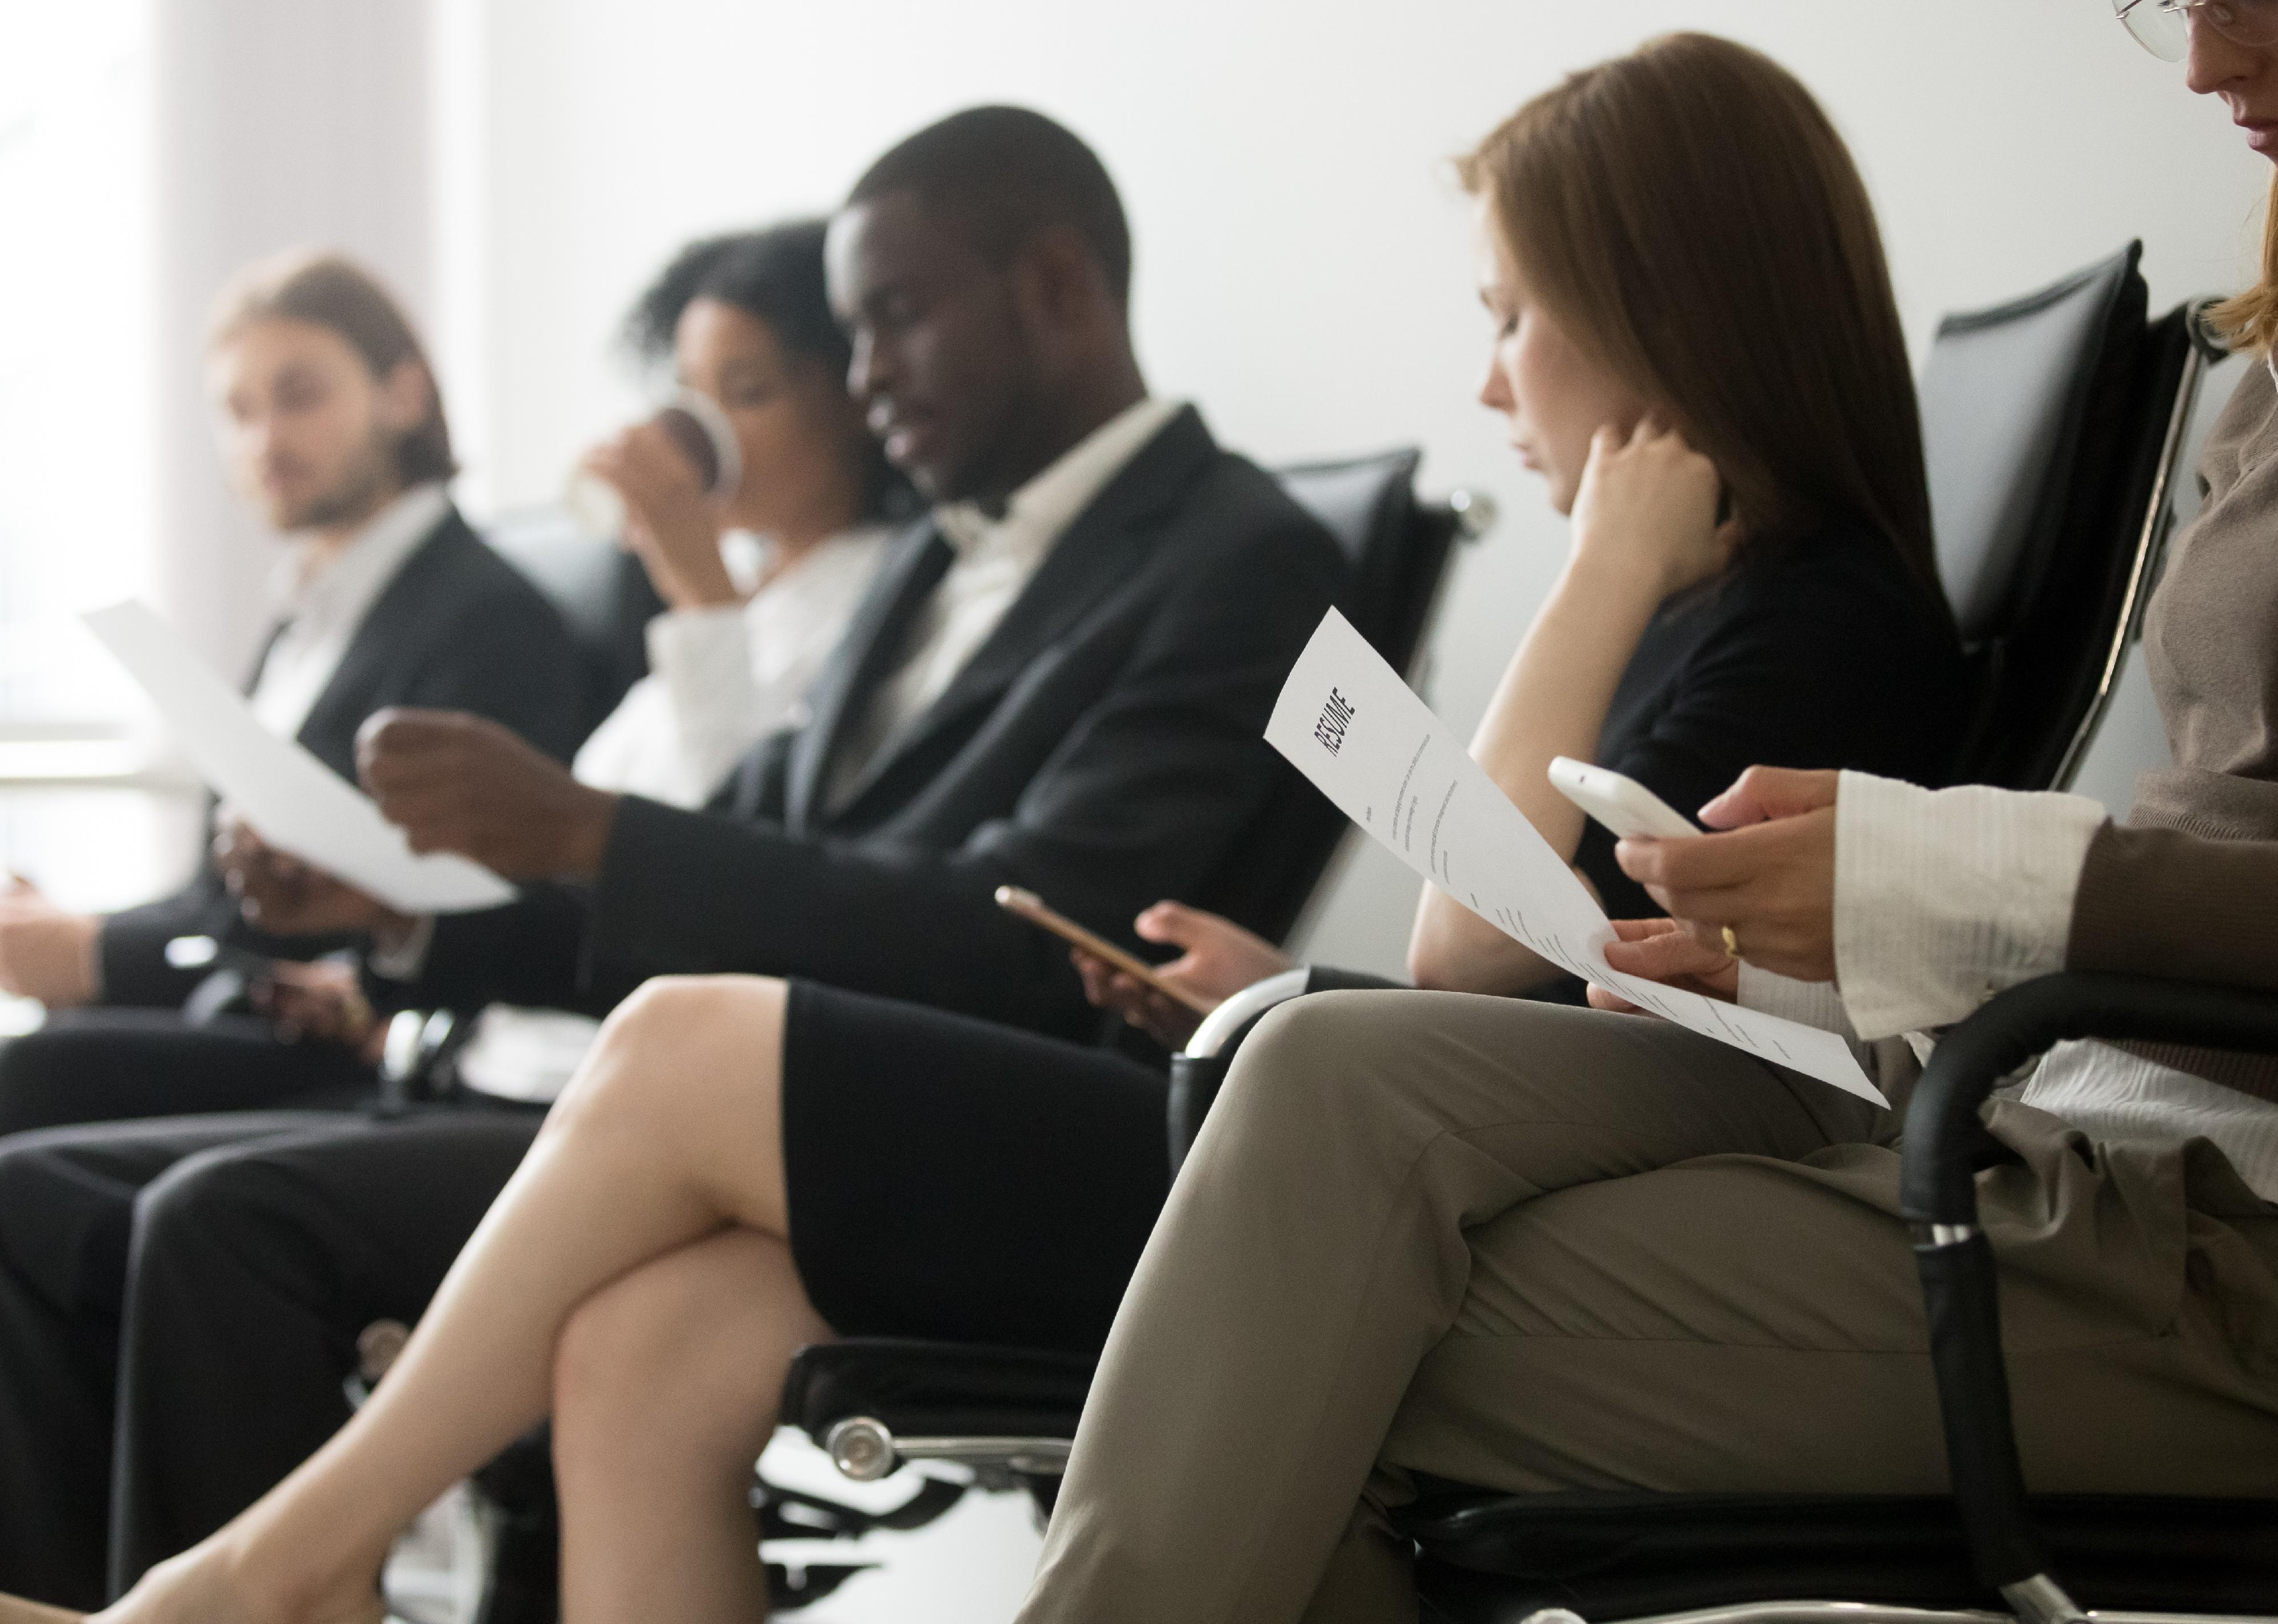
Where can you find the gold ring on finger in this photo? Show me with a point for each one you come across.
(1731, 942)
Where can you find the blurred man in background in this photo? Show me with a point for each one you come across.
(329, 419)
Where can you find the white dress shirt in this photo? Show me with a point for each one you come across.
(995, 559)
(1946, 897)
(323, 601)
(721, 677)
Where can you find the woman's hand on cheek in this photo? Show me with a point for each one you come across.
(1772, 881)
(1645, 511)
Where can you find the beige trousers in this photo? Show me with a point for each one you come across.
(1535, 1249)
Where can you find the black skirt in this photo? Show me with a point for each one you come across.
(955, 1179)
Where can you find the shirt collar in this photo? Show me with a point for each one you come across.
(1040, 510)
(346, 584)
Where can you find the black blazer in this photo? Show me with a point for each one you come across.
(458, 629)
(1101, 748)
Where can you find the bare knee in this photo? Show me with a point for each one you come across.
(677, 1034)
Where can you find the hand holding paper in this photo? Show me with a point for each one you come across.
(1348, 722)
(298, 805)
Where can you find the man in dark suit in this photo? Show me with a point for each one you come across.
(332, 426)
(1059, 681)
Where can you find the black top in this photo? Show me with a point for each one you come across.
(1817, 654)
(1101, 748)
(458, 629)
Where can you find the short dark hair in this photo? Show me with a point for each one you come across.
(326, 289)
(1009, 174)
(774, 275)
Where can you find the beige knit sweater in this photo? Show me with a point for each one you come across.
(2188, 888)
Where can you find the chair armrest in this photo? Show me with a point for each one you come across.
(877, 1402)
(1224, 1028)
(1937, 1185)
(1938, 1196)
(1198, 1069)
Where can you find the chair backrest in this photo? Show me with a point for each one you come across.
(2049, 425)
(602, 590)
(1399, 547)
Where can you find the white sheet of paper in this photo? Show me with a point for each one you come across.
(1347, 722)
(296, 803)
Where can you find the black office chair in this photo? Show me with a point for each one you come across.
(602, 590)
(2052, 426)
(1558, 1559)
(1399, 547)
(1858, 1559)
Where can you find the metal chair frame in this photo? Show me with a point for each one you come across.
(2206, 348)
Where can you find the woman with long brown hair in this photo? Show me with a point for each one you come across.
(1536, 1250)
(1713, 383)
(1696, 346)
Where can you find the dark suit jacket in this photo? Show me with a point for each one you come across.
(458, 629)
(1101, 748)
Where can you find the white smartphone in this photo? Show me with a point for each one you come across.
(1623, 805)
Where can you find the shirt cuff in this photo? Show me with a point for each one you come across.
(701, 652)
(1946, 897)
(1807, 1003)
(407, 960)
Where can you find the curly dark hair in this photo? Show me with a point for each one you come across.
(774, 275)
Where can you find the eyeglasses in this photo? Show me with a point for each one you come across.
(2164, 27)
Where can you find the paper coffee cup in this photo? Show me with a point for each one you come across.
(698, 430)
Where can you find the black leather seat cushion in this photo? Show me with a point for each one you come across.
(1611, 1555)
(1492, 1559)
(936, 1389)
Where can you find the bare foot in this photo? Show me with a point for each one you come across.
(206, 1584)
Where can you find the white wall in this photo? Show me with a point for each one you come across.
(278, 123)
(1303, 267)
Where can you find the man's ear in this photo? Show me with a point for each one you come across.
(406, 395)
(1061, 283)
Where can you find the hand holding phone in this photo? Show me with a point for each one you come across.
(1031, 907)
(1623, 805)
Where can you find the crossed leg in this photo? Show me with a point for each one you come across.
(665, 1392)
(637, 1257)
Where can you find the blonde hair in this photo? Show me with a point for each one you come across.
(2249, 321)
(1689, 213)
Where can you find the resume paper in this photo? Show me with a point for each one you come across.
(1347, 722)
(299, 805)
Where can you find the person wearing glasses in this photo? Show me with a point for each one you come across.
(1534, 1249)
